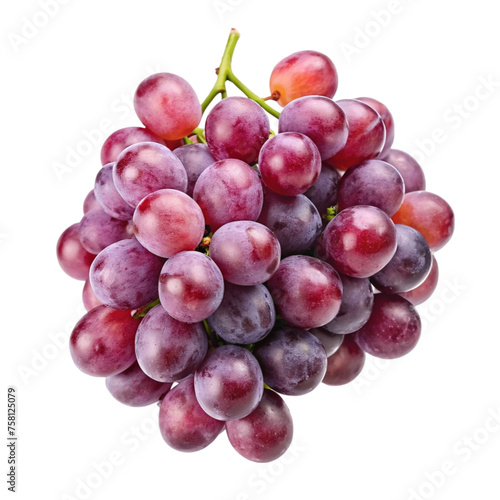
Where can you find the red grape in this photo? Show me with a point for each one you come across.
(345, 364)
(423, 291)
(408, 167)
(72, 256)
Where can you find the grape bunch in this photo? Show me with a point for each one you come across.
(229, 266)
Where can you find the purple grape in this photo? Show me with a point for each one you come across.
(108, 197)
(229, 383)
(345, 364)
(307, 292)
(89, 298)
(323, 193)
(246, 314)
(125, 275)
(289, 163)
(74, 260)
(408, 167)
(133, 387)
(236, 127)
(359, 241)
(318, 117)
(246, 252)
(265, 434)
(146, 167)
(102, 342)
(191, 286)
(393, 329)
(331, 341)
(195, 158)
(227, 191)
(123, 138)
(98, 230)
(356, 306)
(168, 350)
(90, 202)
(294, 220)
(409, 266)
(372, 182)
(293, 360)
(167, 222)
(423, 291)
(183, 424)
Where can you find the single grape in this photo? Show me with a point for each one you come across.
(429, 214)
(289, 163)
(89, 298)
(191, 286)
(229, 383)
(246, 314)
(236, 127)
(388, 120)
(372, 182)
(409, 266)
(102, 342)
(133, 387)
(366, 135)
(195, 158)
(168, 350)
(72, 256)
(294, 220)
(393, 329)
(303, 73)
(355, 308)
(123, 138)
(345, 364)
(228, 190)
(167, 105)
(183, 424)
(360, 240)
(108, 197)
(307, 292)
(423, 291)
(125, 275)
(146, 167)
(167, 222)
(90, 202)
(293, 360)
(331, 341)
(323, 193)
(409, 168)
(246, 252)
(265, 434)
(320, 119)
(98, 230)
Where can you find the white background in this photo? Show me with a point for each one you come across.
(419, 427)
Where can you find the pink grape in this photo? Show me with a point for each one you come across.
(90, 202)
(72, 256)
(89, 298)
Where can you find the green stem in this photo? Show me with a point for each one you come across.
(201, 136)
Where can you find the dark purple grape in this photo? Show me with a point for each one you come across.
(168, 350)
(372, 182)
(294, 220)
(307, 291)
(74, 260)
(293, 360)
(236, 127)
(133, 387)
(323, 193)
(423, 291)
(345, 364)
(408, 167)
(229, 383)
(125, 275)
(265, 434)
(409, 266)
(195, 158)
(393, 329)
(183, 424)
(331, 341)
(98, 230)
(355, 308)
(102, 342)
(246, 314)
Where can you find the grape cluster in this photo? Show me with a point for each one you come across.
(229, 266)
